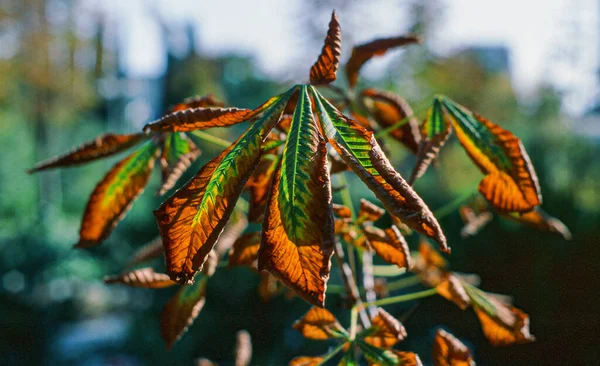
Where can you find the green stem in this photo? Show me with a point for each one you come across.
(347, 201)
(451, 206)
(403, 283)
(331, 354)
(212, 139)
(402, 298)
(402, 122)
(353, 322)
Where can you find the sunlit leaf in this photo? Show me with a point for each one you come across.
(297, 241)
(341, 211)
(235, 227)
(474, 222)
(385, 331)
(378, 47)
(243, 348)
(103, 146)
(319, 323)
(245, 250)
(306, 361)
(191, 220)
(386, 357)
(452, 289)
(114, 195)
(198, 102)
(510, 184)
(434, 134)
(181, 311)
(389, 109)
(179, 152)
(143, 277)
(151, 250)
(539, 219)
(369, 212)
(362, 153)
(259, 185)
(324, 70)
(389, 244)
(449, 351)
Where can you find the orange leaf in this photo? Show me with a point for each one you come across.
(449, 351)
(341, 211)
(390, 245)
(539, 219)
(324, 70)
(151, 250)
(245, 250)
(259, 185)
(114, 195)
(173, 168)
(103, 146)
(319, 323)
(364, 52)
(143, 277)
(385, 331)
(452, 289)
(404, 358)
(198, 102)
(306, 361)
(389, 109)
(181, 311)
(369, 212)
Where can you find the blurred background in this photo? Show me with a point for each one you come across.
(73, 69)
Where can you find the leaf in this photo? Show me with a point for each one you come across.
(449, 351)
(245, 250)
(259, 185)
(103, 146)
(502, 323)
(341, 211)
(198, 102)
(181, 311)
(349, 358)
(385, 331)
(151, 250)
(192, 219)
(369, 212)
(434, 134)
(385, 357)
(401, 358)
(297, 236)
(319, 323)
(378, 47)
(359, 149)
(143, 277)
(473, 222)
(179, 152)
(389, 109)
(510, 184)
(204, 118)
(243, 348)
(114, 195)
(389, 244)
(539, 219)
(269, 286)
(306, 361)
(452, 289)
(325, 68)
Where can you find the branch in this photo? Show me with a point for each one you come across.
(350, 284)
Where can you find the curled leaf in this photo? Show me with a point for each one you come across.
(259, 185)
(143, 277)
(245, 250)
(389, 109)
(243, 348)
(388, 357)
(389, 244)
(385, 331)
(192, 219)
(297, 236)
(114, 195)
(510, 184)
(324, 70)
(151, 250)
(449, 351)
(103, 146)
(341, 211)
(306, 361)
(539, 219)
(198, 102)
(378, 47)
(319, 323)
(181, 311)
(452, 289)
(179, 152)
(369, 212)
(474, 222)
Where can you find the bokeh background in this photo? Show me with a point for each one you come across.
(73, 69)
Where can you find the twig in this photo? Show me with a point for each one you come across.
(369, 280)
(350, 284)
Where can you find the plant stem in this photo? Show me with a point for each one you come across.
(401, 298)
(402, 122)
(347, 201)
(403, 283)
(331, 354)
(212, 139)
(451, 206)
(369, 280)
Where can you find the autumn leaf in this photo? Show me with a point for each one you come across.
(114, 195)
(143, 277)
(474, 222)
(540, 220)
(181, 311)
(259, 185)
(452, 289)
(510, 184)
(297, 239)
(369, 212)
(178, 153)
(191, 220)
(245, 250)
(434, 133)
(319, 323)
(341, 211)
(362, 153)
(198, 102)
(103, 146)
(389, 244)
(306, 361)
(385, 331)
(151, 250)
(325, 68)
(386, 357)
(449, 351)
(363, 53)
(389, 109)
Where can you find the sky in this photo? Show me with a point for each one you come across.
(550, 41)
